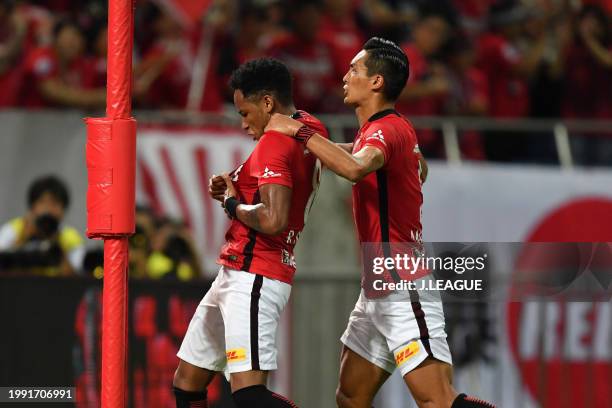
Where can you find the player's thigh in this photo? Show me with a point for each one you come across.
(359, 380)
(189, 377)
(412, 324)
(247, 379)
(251, 306)
(431, 384)
(366, 361)
(203, 346)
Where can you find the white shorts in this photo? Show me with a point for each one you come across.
(234, 327)
(398, 333)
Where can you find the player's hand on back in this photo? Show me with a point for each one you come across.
(283, 124)
(216, 187)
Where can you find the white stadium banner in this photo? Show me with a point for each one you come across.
(173, 170)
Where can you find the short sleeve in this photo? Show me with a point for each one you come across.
(384, 137)
(271, 160)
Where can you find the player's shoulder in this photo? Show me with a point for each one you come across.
(311, 121)
(388, 125)
(389, 119)
(275, 142)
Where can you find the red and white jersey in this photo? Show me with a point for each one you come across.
(387, 203)
(277, 159)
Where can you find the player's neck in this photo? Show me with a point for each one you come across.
(286, 110)
(365, 110)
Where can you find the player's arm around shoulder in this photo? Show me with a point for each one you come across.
(334, 157)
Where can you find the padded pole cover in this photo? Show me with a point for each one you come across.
(111, 173)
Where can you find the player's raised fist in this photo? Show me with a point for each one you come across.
(217, 187)
(230, 190)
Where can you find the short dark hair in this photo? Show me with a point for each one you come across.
(51, 185)
(387, 59)
(264, 76)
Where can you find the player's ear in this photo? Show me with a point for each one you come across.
(378, 82)
(268, 103)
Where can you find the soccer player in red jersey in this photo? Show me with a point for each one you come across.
(385, 165)
(268, 198)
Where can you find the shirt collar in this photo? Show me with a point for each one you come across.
(382, 114)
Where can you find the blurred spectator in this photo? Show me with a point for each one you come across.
(588, 67)
(467, 95)
(506, 66)
(473, 15)
(339, 27)
(508, 69)
(140, 242)
(389, 18)
(166, 67)
(38, 241)
(13, 32)
(39, 22)
(173, 253)
(245, 44)
(98, 60)
(605, 5)
(59, 75)
(428, 83)
(169, 69)
(546, 83)
(588, 84)
(275, 20)
(310, 58)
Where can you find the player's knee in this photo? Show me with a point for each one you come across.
(188, 379)
(345, 400)
(181, 380)
(440, 398)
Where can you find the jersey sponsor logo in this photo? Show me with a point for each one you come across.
(378, 135)
(269, 173)
(235, 355)
(287, 258)
(407, 353)
(236, 173)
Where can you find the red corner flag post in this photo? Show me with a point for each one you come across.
(111, 168)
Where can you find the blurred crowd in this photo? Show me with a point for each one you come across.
(39, 242)
(495, 58)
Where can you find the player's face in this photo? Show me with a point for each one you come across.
(254, 114)
(356, 81)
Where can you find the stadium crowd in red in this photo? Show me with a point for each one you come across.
(499, 58)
